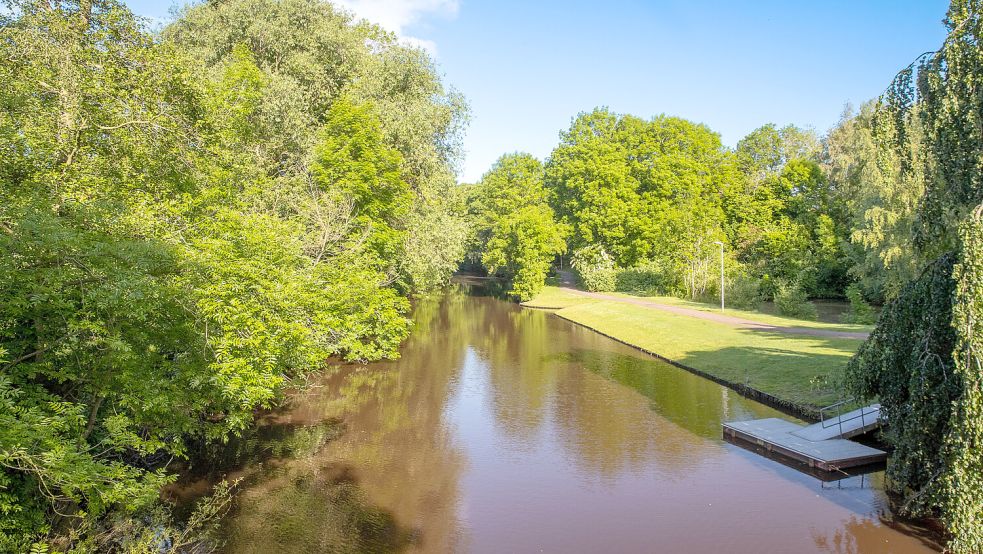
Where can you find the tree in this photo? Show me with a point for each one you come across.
(880, 200)
(517, 234)
(306, 73)
(513, 182)
(923, 359)
(785, 219)
(766, 150)
(521, 246)
(640, 189)
(353, 165)
(102, 352)
(907, 363)
(178, 245)
(591, 189)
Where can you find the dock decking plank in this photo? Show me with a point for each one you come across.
(777, 435)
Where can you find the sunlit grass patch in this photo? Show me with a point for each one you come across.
(752, 315)
(805, 370)
(556, 298)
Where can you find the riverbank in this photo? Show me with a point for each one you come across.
(794, 365)
(500, 418)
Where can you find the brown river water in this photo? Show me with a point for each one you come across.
(503, 429)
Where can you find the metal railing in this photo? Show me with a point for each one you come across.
(838, 419)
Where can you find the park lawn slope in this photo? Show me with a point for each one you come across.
(802, 370)
(770, 319)
(555, 298)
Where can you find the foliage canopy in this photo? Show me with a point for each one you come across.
(187, 222)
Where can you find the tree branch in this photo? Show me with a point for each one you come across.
(124, 124)
(37, 352)
(93, 412)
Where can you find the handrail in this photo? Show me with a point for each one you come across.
(839, 418)
(840, 403)
(822, 411)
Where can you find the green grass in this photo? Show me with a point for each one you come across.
(801, 369)
(770, 319)
(554, 298)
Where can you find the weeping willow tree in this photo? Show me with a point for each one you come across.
(962, 485)
(925, 359)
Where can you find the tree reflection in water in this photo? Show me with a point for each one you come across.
(504, 429)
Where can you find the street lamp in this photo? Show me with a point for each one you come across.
(721, 273)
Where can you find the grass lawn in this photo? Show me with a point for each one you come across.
(801, 369)
(554, 298)
(770, 319)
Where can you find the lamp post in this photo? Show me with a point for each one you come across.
(721, 273)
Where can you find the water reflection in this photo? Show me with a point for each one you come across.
(507, 430)
(696, 404)
(858, 535)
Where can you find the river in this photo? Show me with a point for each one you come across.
(503, 429)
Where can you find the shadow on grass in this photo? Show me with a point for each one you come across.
(845, 344)
(808, 379)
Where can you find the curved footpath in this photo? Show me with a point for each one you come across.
(721, 318)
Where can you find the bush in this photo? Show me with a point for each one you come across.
(768, 285)
(860, 311)
(744, 293)
(649, 277)
(595, 268)
(792, 301)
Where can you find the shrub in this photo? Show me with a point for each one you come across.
(860, 311)
(767, 286)
(792, 301)
(744, 293)
(649, 277)
(595, 268)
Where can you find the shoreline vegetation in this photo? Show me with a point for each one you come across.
(797, 374)
(196, 216)
(192, 218)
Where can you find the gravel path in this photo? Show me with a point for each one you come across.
(723, 318)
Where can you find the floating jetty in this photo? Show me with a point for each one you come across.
(824, 445)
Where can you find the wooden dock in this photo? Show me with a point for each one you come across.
(844, 426)
(789, 439)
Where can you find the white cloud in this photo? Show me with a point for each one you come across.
(397, 15)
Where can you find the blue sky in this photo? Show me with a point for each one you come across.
(528, 67)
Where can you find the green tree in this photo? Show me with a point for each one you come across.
(513, 182)
(353, 165)
(172, 258)
(643, 190)
(784, 218)
(591, 189)
(923, 359)
(907, 364)
(766, 150)
(516, 231)
(521, 247)
(880, 200)
(306, 73)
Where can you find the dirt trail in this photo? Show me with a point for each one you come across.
(722, 318)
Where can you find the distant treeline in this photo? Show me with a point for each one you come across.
(650, 201)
